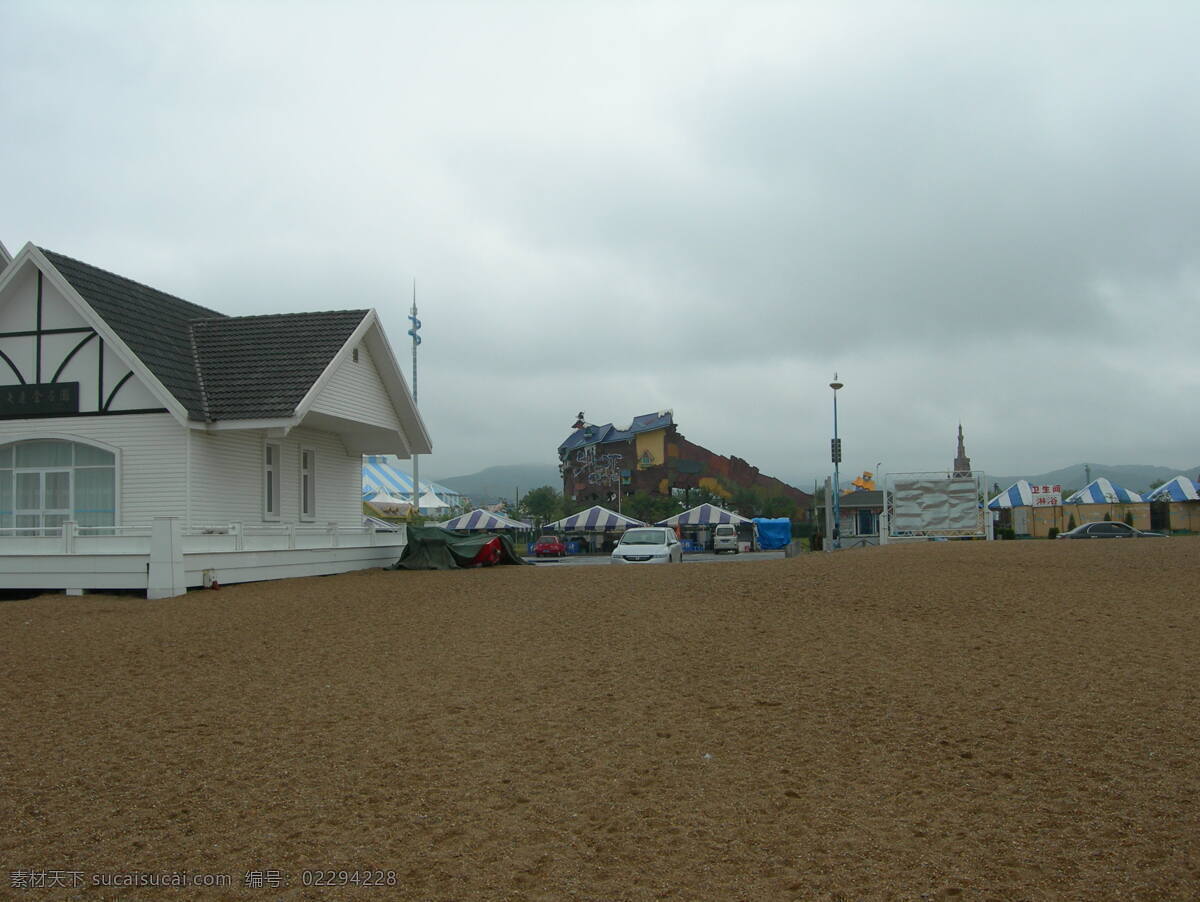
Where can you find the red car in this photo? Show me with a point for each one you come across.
(549, 546)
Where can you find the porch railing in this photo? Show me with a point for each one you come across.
(70, 538)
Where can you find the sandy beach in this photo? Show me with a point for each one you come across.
(1007, 720)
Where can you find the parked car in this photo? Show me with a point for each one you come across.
(648, 545)
(725, 538)
(549, 546)
(1108, 530)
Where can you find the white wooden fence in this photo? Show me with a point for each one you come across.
(166, 558)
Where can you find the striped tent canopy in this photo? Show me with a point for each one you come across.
(480, 519)
(1178, 489)
(1101, 491)
(385, 503)
(382, 473)
(382, 498)
(1019, 494)
(594, 519)
(431, 502)
(704, 515)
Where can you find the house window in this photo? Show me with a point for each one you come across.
(271, 482)
(354, 355)
(308, 484)
(46, 482)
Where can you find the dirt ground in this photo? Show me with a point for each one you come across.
(1011, 720)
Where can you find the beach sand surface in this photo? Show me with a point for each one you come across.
(952, 720)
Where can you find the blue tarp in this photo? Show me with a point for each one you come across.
(773, 532)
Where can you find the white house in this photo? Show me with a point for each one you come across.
(121, 405)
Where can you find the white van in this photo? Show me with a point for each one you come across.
(725, 538)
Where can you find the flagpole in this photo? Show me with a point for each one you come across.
(416, 340)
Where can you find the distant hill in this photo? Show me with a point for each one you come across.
(500, 483)
(1135, 477)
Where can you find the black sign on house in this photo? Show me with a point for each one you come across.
(39, 399)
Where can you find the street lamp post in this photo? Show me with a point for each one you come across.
(836, 455)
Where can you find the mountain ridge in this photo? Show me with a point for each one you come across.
(502, 481)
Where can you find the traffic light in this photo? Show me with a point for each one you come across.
(836, 447)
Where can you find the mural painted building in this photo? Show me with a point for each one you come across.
(651, 455)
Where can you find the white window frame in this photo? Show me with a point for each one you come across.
(41, 512)
(19, 437)
(271, 460)
(308, 492)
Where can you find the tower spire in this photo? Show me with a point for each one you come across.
(962, 463)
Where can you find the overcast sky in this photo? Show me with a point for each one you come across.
(974, 212)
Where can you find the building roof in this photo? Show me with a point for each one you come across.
(218, 367)
(599, 435)
(868, 499)
(154, 324)
(263, 366)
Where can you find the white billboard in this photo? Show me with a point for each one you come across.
(933, 505)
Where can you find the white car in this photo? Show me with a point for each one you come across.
(648, 545)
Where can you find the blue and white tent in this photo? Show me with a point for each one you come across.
(1019, 494)
(387, 504)
(1178, 489)
(380, 473)
(1101, 491)
(479, 519)
(594, 519)
(704, 515)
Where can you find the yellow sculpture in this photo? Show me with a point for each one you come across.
(864, 483)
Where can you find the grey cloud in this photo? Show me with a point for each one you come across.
(708, 207)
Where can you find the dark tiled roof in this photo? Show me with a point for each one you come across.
(154, 324)
(601, 435)
(218, 367)
(861, 499)
(263, 366)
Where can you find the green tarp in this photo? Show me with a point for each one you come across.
(434, 548)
